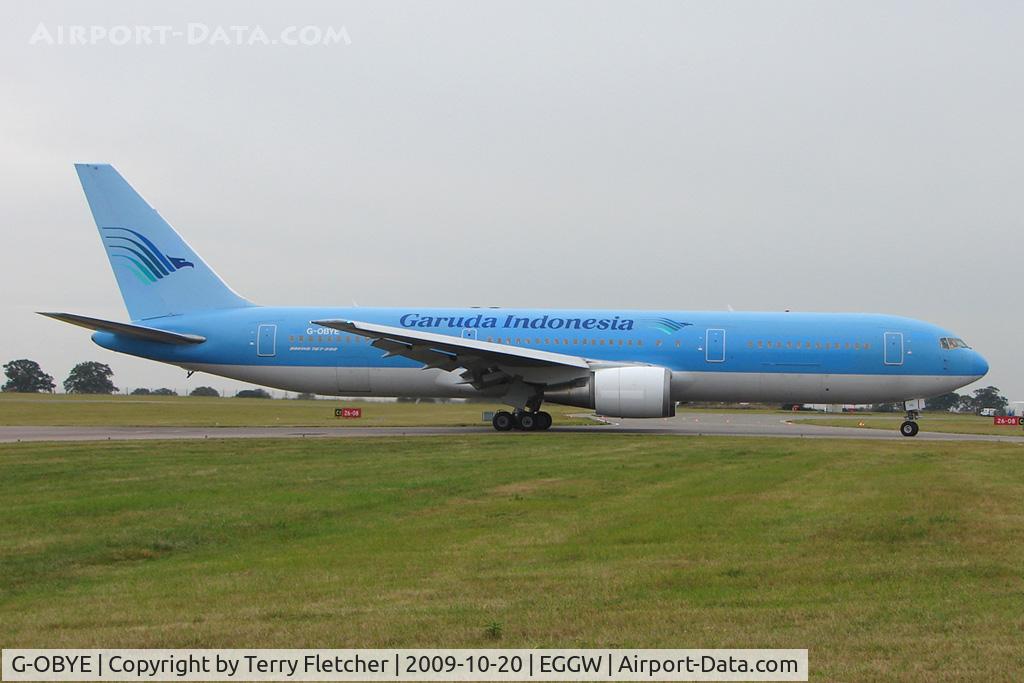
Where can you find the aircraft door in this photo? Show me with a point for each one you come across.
(266, 340)
(714, 346)
(469, 333)
(894, 348)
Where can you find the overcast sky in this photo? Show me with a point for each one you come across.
(847, 156)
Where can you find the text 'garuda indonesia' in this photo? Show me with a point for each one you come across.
(544, 322)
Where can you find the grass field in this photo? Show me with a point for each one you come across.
(181, 411)
(929, 422)
(887, 560)
(192, 411)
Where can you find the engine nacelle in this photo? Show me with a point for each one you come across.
(623, 392)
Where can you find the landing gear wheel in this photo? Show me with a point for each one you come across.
(909, 428)
(503, 421)
(529, 422)
(544, 420)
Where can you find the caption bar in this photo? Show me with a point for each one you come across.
(404, 665)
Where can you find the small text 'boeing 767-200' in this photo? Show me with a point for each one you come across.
(621, 363)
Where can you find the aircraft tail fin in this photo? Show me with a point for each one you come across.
(158, 273)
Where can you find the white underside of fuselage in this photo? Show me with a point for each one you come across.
(686, 386)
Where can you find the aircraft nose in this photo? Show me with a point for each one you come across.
(979, 366)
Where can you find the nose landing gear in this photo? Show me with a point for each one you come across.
(909, 426)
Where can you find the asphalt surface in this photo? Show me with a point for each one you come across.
(691, 424)
(777, 425)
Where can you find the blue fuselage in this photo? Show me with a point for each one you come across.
(733, 356)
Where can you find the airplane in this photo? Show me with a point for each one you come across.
(620, 363)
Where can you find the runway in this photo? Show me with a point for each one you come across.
(685, 424)
(777, 425)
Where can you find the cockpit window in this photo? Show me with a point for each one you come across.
(951, 343)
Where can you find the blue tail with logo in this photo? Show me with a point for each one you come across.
(158, 272)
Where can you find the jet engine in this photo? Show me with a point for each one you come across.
(632, 391)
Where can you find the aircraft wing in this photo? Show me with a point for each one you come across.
(486, 363)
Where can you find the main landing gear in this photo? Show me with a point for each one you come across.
(534, 421)
(909, 426)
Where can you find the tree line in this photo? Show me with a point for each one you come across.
(25, 376)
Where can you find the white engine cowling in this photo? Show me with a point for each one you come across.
(623, 392)
(634, 392)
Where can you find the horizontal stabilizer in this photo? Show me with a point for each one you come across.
(127, 329)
